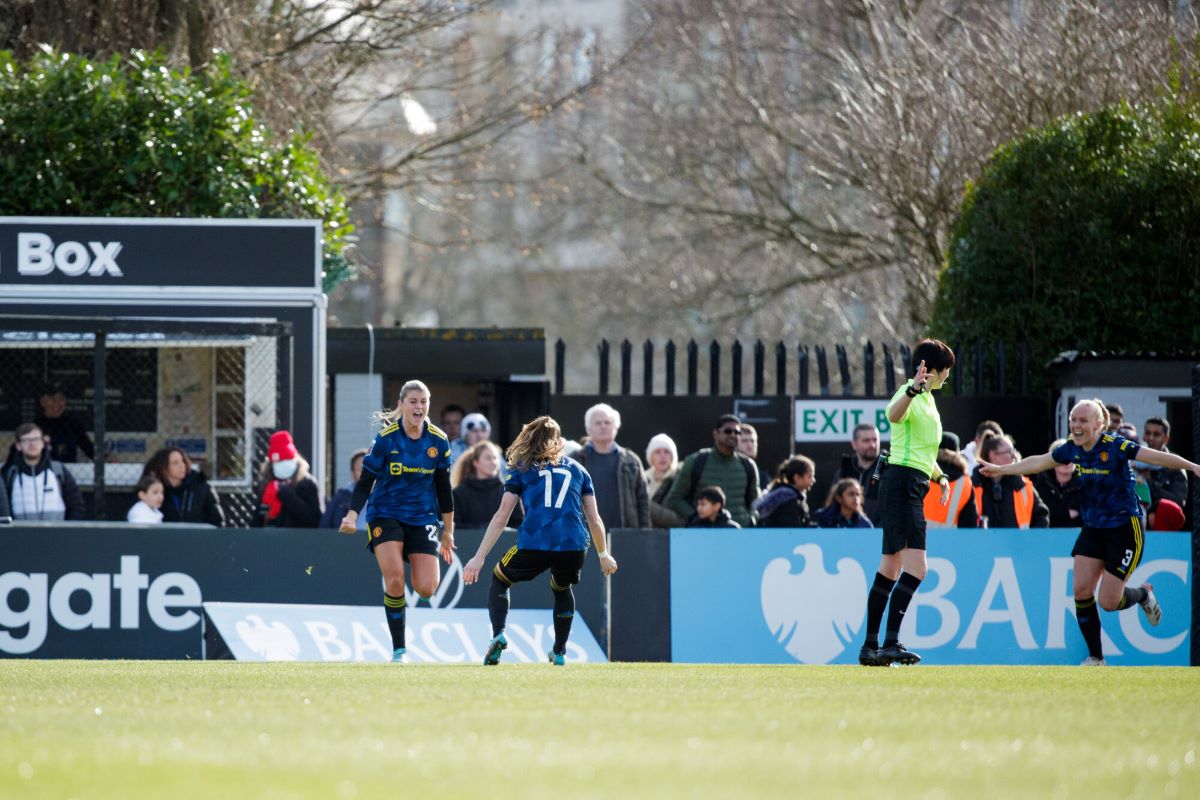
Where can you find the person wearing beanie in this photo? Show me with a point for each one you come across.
(475, 429)
(187, 494)
(290, 496)
(404, 492)
(663, 458)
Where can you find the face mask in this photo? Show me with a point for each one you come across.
(284, 470)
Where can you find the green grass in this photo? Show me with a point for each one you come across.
(95, 729)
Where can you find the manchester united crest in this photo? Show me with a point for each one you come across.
(377, 532)
(432, 452)
(1104, 455)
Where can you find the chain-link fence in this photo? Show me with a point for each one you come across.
(215, 389)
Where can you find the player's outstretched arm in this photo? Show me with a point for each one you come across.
(608, 564)
(1026, 466)
(494, 529)
(1169, 460)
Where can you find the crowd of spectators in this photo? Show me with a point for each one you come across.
(721, 486)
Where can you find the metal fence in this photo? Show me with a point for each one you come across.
(1001, 369)
(216, 389)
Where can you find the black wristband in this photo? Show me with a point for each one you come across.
(913, 392)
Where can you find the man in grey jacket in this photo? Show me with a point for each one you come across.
(621, 495)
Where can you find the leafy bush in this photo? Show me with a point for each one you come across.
(1084, 234)
(134, 138)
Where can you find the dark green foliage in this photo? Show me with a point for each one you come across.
(135, 138)
(1084, 234)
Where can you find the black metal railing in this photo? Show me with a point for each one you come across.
(981, 368)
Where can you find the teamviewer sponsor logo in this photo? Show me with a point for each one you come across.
(814, 614)
(37, 255)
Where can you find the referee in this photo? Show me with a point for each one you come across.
(916, 435)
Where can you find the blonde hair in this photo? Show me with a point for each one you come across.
(1098, 404)
(539, 443)
(391, 416)
(464, 468)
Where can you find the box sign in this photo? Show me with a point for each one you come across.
(990, 597)
(279, 632)
(835, 420)
(93, 252)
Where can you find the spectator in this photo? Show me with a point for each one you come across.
(1141, 486)
(67, 432)
(1165, 484)
(39, 487)
(5, 510)
(451, 423)
(1165, 515)
(720, 466)
(1059, 489)
(478, 488)
(290, 496)
(148, 508)
(972, 449)
(663, 458)
(710, 510)
(960, 511)
(1010, 501)
(748, 446)
(340, 504)
(187, 494)
(860, 464)
(785, 505)
(616, 472)
(844, 509)
(1116, 415)
(475, 429)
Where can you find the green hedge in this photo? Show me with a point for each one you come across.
(1084, 234)
(132, 137)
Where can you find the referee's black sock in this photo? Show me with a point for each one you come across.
(393, 607)
(877, 601)
(564, 615)
(901, 597)
(497, 604)
(1130, 597)
(1087, 614)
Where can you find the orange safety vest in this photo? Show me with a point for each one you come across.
(1022, 502)
(946, 516)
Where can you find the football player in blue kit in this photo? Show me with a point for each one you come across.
(1109, 546)
(406, 475)
(560, 513)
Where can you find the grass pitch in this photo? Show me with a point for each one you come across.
(177, 730)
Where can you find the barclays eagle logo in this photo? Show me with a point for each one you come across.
(812, 613)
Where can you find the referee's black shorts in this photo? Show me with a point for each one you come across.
(902, 493)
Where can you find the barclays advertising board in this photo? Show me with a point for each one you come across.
(991, 597)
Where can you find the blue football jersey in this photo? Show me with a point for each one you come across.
(1108, 498)
(553, 499)
(403, 470)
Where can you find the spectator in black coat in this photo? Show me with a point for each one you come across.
(710, 510)
(478, 488)
(67, 432)
(785, 504)
(844, 509)
(336, 508)
(290, 496)
(1059, 489)
(187, 495)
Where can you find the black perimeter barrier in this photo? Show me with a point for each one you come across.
(1195, 521)
(126, 581)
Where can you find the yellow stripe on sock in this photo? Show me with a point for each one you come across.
(394, 602)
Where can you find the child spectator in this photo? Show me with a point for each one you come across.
(150, 499)
(710, 510)
(785, 504)
(844, 509)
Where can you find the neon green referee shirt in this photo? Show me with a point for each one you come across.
(915, 438)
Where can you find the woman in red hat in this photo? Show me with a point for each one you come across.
(406, 475)
(290, 496)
